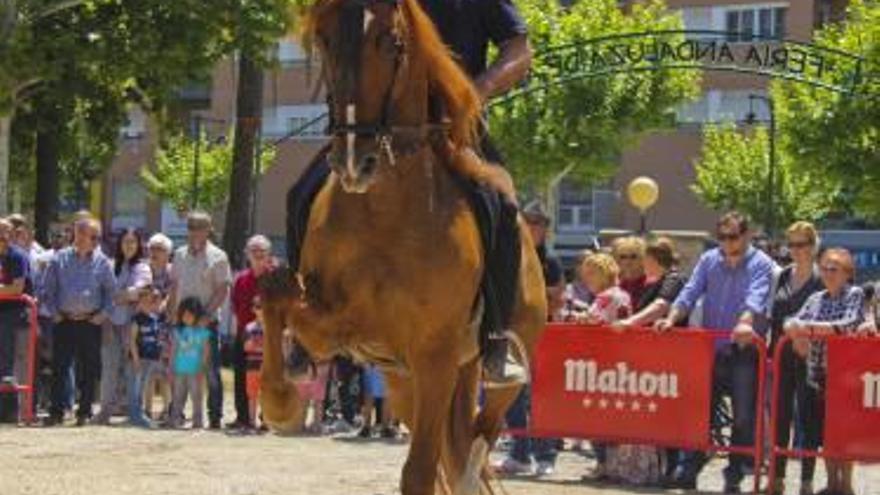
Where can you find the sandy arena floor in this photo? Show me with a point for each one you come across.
(121, 460)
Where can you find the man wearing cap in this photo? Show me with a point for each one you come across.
(201, 270)
(544, 450)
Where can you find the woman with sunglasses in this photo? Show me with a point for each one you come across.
(836, 310)
(794, 284)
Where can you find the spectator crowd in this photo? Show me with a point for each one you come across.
(120, 325)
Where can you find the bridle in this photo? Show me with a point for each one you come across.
(405, 139)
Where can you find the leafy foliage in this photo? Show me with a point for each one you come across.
(172, 178)
(733, 174)
(586, 122)
(837, 135)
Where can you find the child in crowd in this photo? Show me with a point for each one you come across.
(192, 353)
(374, 400)
(621, 463)
(145, 347)
(253, 352)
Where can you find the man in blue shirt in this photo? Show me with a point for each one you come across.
(78, 293)
(734, 281)
(15, 280)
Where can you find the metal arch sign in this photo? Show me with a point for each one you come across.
(799, 61)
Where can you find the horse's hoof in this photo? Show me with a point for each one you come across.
(471, 480)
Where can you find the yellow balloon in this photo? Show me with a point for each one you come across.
(643, 192)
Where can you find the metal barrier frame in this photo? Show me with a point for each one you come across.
(756, 451)
(26, 389)
(775, 450)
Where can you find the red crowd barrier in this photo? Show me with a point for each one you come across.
(635, 386)
(852, 403)
(26, 411)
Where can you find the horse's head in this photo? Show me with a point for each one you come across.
(379, 59)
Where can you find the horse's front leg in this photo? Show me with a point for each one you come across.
(281, 405)
(434, 374)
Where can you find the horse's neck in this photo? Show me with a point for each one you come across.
(418, 188)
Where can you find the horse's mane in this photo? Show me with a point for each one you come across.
(446, 77)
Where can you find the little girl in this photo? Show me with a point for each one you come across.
(253, 352)
(621, 463)
(191, 355)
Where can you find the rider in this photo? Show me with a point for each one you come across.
(467, 27)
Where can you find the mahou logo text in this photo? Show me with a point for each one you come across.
(586, 376)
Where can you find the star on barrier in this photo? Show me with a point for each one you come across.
(587, 402)
(603, 403)
(636, 406)
(652, 406)
(618, 404)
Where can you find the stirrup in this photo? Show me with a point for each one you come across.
(515, 370)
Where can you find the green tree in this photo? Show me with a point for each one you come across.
(171, 179)
(581, 126)
(733, 174)
(837, 135)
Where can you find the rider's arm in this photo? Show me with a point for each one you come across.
(511, 66)
(507, 30)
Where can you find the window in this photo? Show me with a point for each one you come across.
(129, 204)
(743, 24)
(295, 122)
(135, 124)
(290, 54)
(307, 126)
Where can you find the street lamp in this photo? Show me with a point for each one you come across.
(771, 173)
(643, 193)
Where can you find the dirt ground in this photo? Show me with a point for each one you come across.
(121, 460)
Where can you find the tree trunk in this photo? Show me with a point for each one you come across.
(249, 110)
(5, 131)
(46, 204)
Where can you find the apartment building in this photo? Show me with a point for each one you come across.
(292, 100)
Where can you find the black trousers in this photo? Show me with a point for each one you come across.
(239, 368)
(80, 342)
(792, 391)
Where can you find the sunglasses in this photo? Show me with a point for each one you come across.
(728, 237)
(799, 245)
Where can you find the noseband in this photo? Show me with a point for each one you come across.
(409, 138)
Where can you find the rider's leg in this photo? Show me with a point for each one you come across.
(299, 203)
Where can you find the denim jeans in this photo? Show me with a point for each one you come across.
(138, 379)
(735, 375)
(524, 448)
(215, 385)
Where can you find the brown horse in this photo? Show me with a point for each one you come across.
(391, 266)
